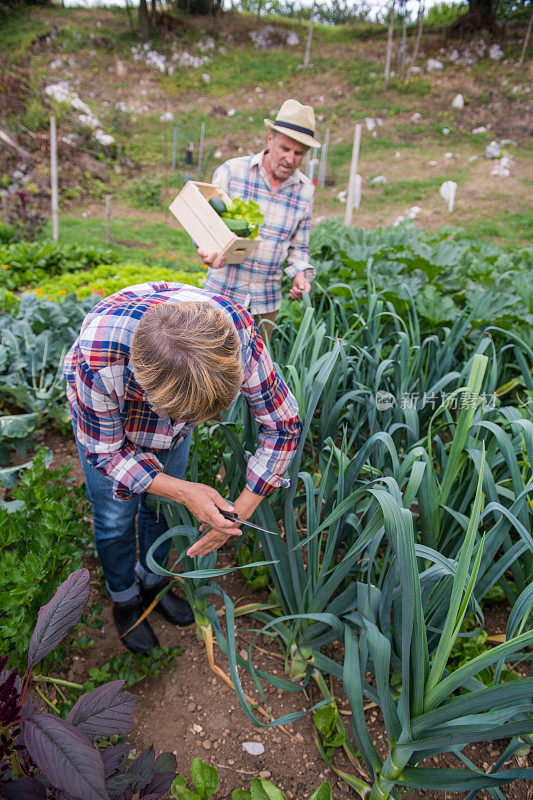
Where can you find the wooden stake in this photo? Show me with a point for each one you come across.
(108, 199)
(357, 187)
(353, 173)
(323, 160)
(53, 167)
(389, 45)
(451, 198)
(312, 164)
(201, 147)
(174, 146)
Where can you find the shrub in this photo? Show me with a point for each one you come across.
(146, 193)
(8, 233)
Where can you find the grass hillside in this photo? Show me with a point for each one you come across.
(412, 135)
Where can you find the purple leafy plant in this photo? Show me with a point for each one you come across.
(44, 757)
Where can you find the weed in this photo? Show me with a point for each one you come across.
(146, 193)
(472, 642)
(36, 117)
(515, 228)
(25, 217)
(132, 667)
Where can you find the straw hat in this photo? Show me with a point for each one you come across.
(296, 121)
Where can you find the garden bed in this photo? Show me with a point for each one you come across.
(189, 711)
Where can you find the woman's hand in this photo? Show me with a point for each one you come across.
(204, 503)
(244, 506)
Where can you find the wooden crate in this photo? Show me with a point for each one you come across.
(207, 229)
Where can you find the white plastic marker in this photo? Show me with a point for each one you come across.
(447, 192)
(353, 172)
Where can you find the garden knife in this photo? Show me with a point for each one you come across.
(234, 518)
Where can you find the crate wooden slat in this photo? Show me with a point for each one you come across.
(192, 210)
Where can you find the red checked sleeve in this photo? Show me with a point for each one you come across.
(274, 407)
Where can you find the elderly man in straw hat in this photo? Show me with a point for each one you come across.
(285, 195)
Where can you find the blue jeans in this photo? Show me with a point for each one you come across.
(114, 526)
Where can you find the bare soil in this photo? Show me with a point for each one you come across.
(190, 711)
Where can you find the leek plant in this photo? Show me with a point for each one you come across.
(452, 459)
(435, 711)
(389, 376)
(386, 543)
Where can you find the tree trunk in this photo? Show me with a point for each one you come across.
(144, 24)
(389, 45)
(403, 46)
(153, 12)
(481, 14)
(217, 13)
(309, 37)
(418, 39)
(526, 41)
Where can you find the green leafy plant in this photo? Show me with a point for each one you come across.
(129, 668)
(445, 273)
(326, 721)
(204, 778)
(146, 193)
(472, 642)
(42, 539)
(34, 339)
(8, 234)
(27, 263)
(16, 431)
(107, 279)
(42, 755)
(257, 578)
(247, 210)
(132, 667)
(205, 781)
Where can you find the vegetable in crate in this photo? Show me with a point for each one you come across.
(218, 204)
(243, 217)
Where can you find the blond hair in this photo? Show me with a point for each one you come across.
(187, 358)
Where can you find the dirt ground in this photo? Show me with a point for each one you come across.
(190, 711)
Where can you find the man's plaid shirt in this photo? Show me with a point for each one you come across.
(256, 283)
(114, 421)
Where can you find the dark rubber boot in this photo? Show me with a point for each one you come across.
(173, 608)
(142, 637)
